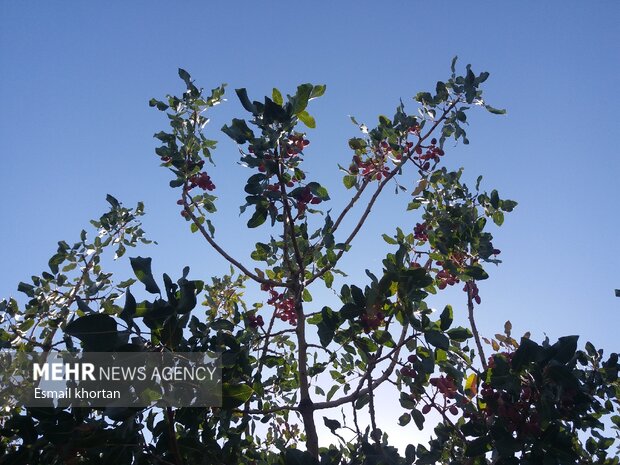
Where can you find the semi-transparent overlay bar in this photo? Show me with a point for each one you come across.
(111, 379)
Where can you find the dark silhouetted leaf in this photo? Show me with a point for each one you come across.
(446, 318)
(333, 425)
(437, 339)
(98, 332)
(142, 269)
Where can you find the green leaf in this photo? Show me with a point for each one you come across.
(56, 260)
(332, 391)
(185, 76)
(187, 300)
(314, 319)
(112, 201)
(384, 338)
(366, 345)
(349, 181)
(300, 100)
(425, 98)
(234, 395)
(150, 396)
(482, 77)
(441, 91)
(495, 111)
(327, 326)
(318, 91)
(476, 272)
(494, 199)
(404, 419)
(437, 339)
(459, 334)
(565, 348)
(508, 205)
(222, 325)
(254, 184)
(498, 217)
(26, 325)
(390, 240)
(245, 101)
(591, 349)
(26, 288)
(69, 267)
(446, 318)
(307, 119)
(333, 425)
(415, 278)
(258, 218)
(238, 131)
(98, 332)
(129, 310)
(406, 401)
(261, 253)
(211, 228)
(321, 193)
(418, 418)
(273, 112)
(276, 96)
(142, 269)
(385, 121)
(161, 106)
(357, 143)
(358, 296)
(361, 402)
(453, 64)
(328, 277)
(83, 306)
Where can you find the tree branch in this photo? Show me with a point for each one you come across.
(474, 329)
(362, 391)
(259, 369)
(306, 407)
(289, 221)
(221, 251)
(350, 205)
(380, 187)
(172, 437)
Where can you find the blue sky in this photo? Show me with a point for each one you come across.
(75, 125)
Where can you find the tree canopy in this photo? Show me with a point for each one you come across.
(288, 361)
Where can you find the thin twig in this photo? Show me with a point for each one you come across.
(374, 197)
(350, 205)
(474, 329)
(288, 221)
(172, 437)
(222, 252)
(360, 392)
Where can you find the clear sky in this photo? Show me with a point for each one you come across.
(75, 79)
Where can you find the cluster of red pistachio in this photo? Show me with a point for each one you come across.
(285, 306)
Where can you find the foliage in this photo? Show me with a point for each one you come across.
(288, 361)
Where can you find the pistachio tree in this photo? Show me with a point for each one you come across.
(290, 362)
